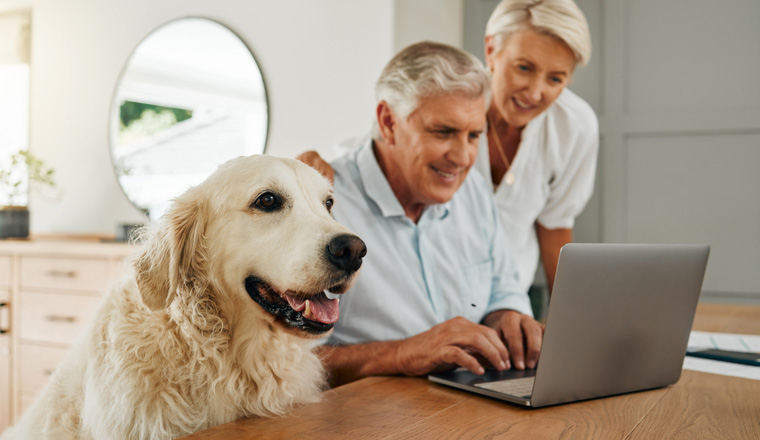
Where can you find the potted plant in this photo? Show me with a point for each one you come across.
(16, 177)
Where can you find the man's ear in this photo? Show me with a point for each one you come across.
(386, 121)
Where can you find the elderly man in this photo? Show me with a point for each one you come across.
(439, 285)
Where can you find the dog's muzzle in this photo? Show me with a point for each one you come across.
(313, 312)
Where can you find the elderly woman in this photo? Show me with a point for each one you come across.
(542, 139)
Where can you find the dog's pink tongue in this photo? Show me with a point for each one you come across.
(321, 308)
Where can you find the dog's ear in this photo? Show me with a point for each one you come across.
(152, 268)
(188, 252)
(174, 255)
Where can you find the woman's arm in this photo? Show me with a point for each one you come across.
(550, 241)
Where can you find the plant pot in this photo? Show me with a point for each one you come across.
(126, 231)
(14, 222)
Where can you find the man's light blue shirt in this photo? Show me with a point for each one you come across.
(454, 262)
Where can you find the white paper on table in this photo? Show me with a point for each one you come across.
(723, 341)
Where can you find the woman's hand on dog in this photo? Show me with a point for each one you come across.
(314, 160)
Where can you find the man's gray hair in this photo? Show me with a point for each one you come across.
(428, 69)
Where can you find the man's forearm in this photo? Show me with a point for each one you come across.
(347, 363)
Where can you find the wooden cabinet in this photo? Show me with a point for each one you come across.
(73, 274)
(51, 290)
(5, 344)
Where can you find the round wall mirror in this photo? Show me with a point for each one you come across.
(190, 97)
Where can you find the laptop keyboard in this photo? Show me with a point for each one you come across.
(522, 387)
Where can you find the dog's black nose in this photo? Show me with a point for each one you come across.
(346, 252)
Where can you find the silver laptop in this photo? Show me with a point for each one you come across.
(619, 321)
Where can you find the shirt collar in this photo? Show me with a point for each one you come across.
(379, 190)
(532, 129)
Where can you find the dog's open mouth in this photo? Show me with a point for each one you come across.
(312, 313)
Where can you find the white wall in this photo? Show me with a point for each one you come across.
(434, 20)
(319, 60)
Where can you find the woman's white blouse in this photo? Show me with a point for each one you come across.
(554, 171)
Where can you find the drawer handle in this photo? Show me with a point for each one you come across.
(4, 318)
(56, 318)
(61, 273)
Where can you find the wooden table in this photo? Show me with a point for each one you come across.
(699, 406)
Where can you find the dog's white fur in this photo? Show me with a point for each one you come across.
(179, 346)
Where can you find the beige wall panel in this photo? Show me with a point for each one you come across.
(692, 55)
(702, 189)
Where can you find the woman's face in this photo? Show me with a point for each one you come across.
(527, 74)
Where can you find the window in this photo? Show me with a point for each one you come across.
(14, 90)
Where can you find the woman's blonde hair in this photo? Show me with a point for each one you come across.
(562, 19)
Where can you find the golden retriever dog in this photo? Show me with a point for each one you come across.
(218, 316)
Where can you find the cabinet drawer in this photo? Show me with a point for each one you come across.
(5, 271)
(82, 274)
(5, 313)
(55, 317)
(37, 365)
(5, 382)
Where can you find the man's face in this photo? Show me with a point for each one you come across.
(432, 150)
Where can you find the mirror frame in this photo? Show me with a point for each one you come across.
(114, 113)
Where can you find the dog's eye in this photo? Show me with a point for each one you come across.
(329, 204)
(268, 202)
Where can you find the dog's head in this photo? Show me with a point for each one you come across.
(257, 235)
